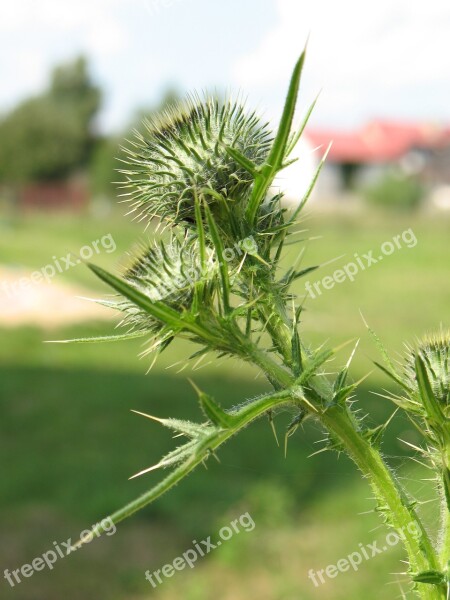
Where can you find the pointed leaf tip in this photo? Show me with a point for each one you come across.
(137, 412)
(144, 471)
(272, 425)
(214, 412)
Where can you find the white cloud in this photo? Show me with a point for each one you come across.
(107, 40)
(357, 52)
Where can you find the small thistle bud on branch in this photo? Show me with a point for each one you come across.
(434, 354)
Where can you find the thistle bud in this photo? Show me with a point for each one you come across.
(184, 151)
(167, 273)
(434, 353)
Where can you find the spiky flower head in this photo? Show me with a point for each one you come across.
(184, 151)
(164, 272)
(434, 352)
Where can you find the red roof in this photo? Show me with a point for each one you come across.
(378, 141)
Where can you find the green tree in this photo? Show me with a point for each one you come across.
(49, 136)
(395, 191)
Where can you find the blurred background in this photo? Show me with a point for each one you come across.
(76, 80)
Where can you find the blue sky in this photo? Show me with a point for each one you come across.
(380, 59)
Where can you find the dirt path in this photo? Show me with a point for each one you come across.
(44, 304)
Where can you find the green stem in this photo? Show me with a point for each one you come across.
(276, 373)
(445, 547)
(338, 421)
(279, 327)
(401, 513)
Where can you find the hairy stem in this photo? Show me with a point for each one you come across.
(445, 547)
(398, 508)
(400, 511)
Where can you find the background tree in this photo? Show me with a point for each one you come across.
(51, 135)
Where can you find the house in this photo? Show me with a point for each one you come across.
(358, 157)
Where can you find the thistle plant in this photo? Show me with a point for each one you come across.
(204, 171)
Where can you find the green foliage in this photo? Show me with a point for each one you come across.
(395, 191)
(51, 135)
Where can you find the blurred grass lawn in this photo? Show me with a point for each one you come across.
(68, 441)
